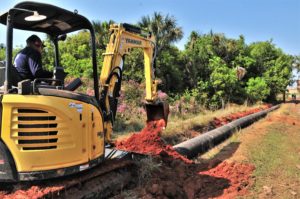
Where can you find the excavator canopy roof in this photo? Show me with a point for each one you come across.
(59, 21)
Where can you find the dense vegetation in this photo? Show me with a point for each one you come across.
(204, 72)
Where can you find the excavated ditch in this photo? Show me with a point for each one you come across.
(175, 176)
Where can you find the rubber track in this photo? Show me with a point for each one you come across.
(59, 187)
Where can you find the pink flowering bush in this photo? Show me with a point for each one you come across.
(122, 108)
(161, 95)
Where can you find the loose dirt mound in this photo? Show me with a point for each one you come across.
(217, 122)
(238, 174)
(33, 192)
(176, 179)
(148, 141)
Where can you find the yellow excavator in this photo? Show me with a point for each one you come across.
(48, 129)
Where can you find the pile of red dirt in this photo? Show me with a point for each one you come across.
(217, 122)
(238, 174)
(33, 192)
(148, 141)
(176, 179)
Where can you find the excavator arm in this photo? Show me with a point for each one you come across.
(123, 38)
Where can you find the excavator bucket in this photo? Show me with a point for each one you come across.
(157, 112)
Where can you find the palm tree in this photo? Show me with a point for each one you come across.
(192, 39)
(164, 28)
(102, 32)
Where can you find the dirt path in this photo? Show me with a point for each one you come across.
(272, 145)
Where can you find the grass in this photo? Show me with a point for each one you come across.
(276, 157)
(123, 127)
(270, 152)
(146, 167)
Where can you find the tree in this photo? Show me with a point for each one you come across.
(75, 55)
(164, 28)
(2, 52)
(192, 39)
(271, 64)
(168, 57)
(257, 89)
(223, 80)
(169, 69)
(133, 68)
(296, 62)
(102, 33)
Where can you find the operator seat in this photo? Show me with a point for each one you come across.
(14, 74)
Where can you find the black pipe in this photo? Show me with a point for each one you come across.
(202, 143)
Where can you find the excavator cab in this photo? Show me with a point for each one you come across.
(26, 16)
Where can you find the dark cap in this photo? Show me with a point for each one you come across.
(33, 39)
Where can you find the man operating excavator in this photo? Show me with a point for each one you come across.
(28, 61)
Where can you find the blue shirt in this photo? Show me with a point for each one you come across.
(28, 63)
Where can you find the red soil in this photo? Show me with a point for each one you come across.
(33, 192)
(148, 141)
(176, 179)
(217, 122)
(238, 174)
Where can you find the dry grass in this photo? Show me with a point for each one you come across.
(146, 167)
(178, 125)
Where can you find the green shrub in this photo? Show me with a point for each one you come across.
(257, 89)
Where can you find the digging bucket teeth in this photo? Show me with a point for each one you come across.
(157, 112)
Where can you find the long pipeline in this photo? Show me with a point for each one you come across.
(202, 143)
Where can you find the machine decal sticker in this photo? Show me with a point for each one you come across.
(79, 107)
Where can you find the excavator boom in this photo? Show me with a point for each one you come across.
(123, 38)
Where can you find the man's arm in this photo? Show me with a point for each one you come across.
(35, 66)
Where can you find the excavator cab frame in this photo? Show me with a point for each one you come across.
(57, 24)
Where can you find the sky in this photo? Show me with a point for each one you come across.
(257, 20)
